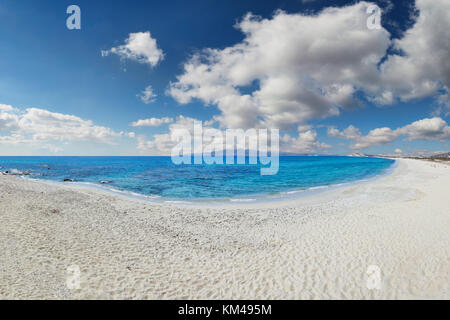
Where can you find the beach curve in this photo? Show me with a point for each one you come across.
(320, 246)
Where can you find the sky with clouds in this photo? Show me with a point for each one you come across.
(137, 71)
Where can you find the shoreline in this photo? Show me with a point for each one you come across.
(254, 199)
(315, 247)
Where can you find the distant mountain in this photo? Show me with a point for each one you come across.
(358, 154)
(441, 155)
(284, 154)
(293, 154)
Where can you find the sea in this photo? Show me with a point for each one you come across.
(159, 178)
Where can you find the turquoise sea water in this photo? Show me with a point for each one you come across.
(159, 177)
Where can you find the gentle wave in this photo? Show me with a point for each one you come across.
(242, 200)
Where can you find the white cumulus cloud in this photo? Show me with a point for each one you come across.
(147, 96)
(292, 68)
(152, 122)
(40, 125)
(303, 67)
(306, 142)
(140, 47)
(425, 129)
(423, 67)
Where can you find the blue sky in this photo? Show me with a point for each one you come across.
(62, 73)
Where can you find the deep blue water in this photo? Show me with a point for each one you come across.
(158, 176)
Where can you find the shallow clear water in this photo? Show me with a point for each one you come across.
(158, 176)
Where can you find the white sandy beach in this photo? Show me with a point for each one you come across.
(315, 247)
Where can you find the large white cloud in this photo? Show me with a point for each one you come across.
(46, 125)
(423, 67)
(13, 139)
(292, 68)
(163, 143)
(40, 125)
(8, 118)
(425, 129)
(303, 67)
(140, 47)
(306, 142)
(375, 137)
(6, 107)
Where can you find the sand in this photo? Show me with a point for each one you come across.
(384, 239)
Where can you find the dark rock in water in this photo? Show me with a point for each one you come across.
(15, 172)
(105, 181)
(68, 180)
